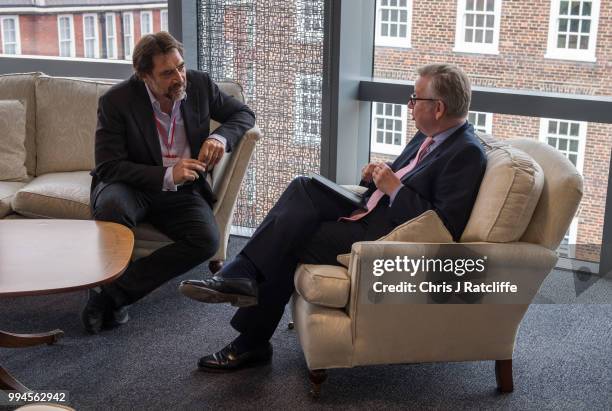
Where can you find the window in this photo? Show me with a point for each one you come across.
(249, 86)
(478, 24)
(11, 43)
(111, 36)
(388, 128)
(128, 35)
(482, 122)
(572, 31)
(228, 64)
(90, 36)
(393, 23)
(309, 20)
(146, 22)
(163, 17)
(65, 30)
(308, 109)
(569, 137)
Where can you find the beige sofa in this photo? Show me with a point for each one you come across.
(526, 202)
(59, 143)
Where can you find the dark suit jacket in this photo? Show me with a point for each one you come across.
(127, 145)
(446, 181)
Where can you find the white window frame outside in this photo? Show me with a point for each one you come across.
(393, 41)
(309, 36)
(298, 137)
(17, 34)
(70, 18)
(96, 38)
(384, 148)
(582, 134)
(146, 30)
(108, 39)
(228, 64)
(488, 127)
(128, 36)
(553, 52)
(462, 46)
(163, 20)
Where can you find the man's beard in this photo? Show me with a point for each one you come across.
(176, 92)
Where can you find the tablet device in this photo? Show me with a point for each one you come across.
(357, 200)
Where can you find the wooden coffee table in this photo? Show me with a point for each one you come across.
(39, 257)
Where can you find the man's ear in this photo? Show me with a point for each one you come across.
(440, 109)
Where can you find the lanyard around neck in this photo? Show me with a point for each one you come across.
(166, 138)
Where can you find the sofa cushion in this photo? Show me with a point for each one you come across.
(12, 138)
(508, 195)
(7, 191)
(23, 87)
(66, 117)
(326, 285)
(55, 195)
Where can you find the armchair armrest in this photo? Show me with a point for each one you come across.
(227, 179)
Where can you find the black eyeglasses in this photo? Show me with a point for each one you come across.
(413, 99)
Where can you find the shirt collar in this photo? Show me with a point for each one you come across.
(447, 133)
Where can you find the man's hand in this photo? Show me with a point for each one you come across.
(187, 170)
(384, 178)
(211, 152)
(366, 172)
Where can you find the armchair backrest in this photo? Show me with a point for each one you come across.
(560, 196)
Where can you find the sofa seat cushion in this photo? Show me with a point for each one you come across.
(325, 285)
(12, 138)
(507, 197)
(55, 195)
(7, 192)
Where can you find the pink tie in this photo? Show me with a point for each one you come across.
(377, 195)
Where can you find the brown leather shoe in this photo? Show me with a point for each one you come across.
(239, 292)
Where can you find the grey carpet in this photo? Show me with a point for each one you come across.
(562, 360)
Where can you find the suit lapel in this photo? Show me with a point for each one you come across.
(191, 113)
(143, 115)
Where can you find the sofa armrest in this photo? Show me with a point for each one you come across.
(226, 185)
(324, 285)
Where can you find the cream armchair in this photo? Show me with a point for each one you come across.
(528, 197)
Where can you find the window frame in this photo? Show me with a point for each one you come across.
(298, 137)
(125, 17)
(308, 36)
(114, 35)
(96, 37)
(387, 41)
(15, 18)
(150, 14)
(488, 121)
(384, 148)
(553, 52)
(163, 12)
(70, 18)
(461, 46)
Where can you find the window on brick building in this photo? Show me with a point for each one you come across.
(309, 21)
(249, 85)
(569, 138)
(146, 22)
(111, 36)
(393, 23)
(482, 122)
(11, 43)
(90, 36)
(572, 31)
(128, 35)
(478, 23)
(163, 17)
(388, 128)
(307, 112)
(228, 64)
(65, 30)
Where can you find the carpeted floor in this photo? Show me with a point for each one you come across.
(562, 360)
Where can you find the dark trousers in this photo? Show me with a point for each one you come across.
(183, 215)
(302, 227)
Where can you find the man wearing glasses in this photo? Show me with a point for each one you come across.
(440, 169)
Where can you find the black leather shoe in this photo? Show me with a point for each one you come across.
(240, 292)
(99, 313)
(228, 359)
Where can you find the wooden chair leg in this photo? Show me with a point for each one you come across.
(503, 373)
(215, 266)
(10, 383)
(11, 340)
(317, 377)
